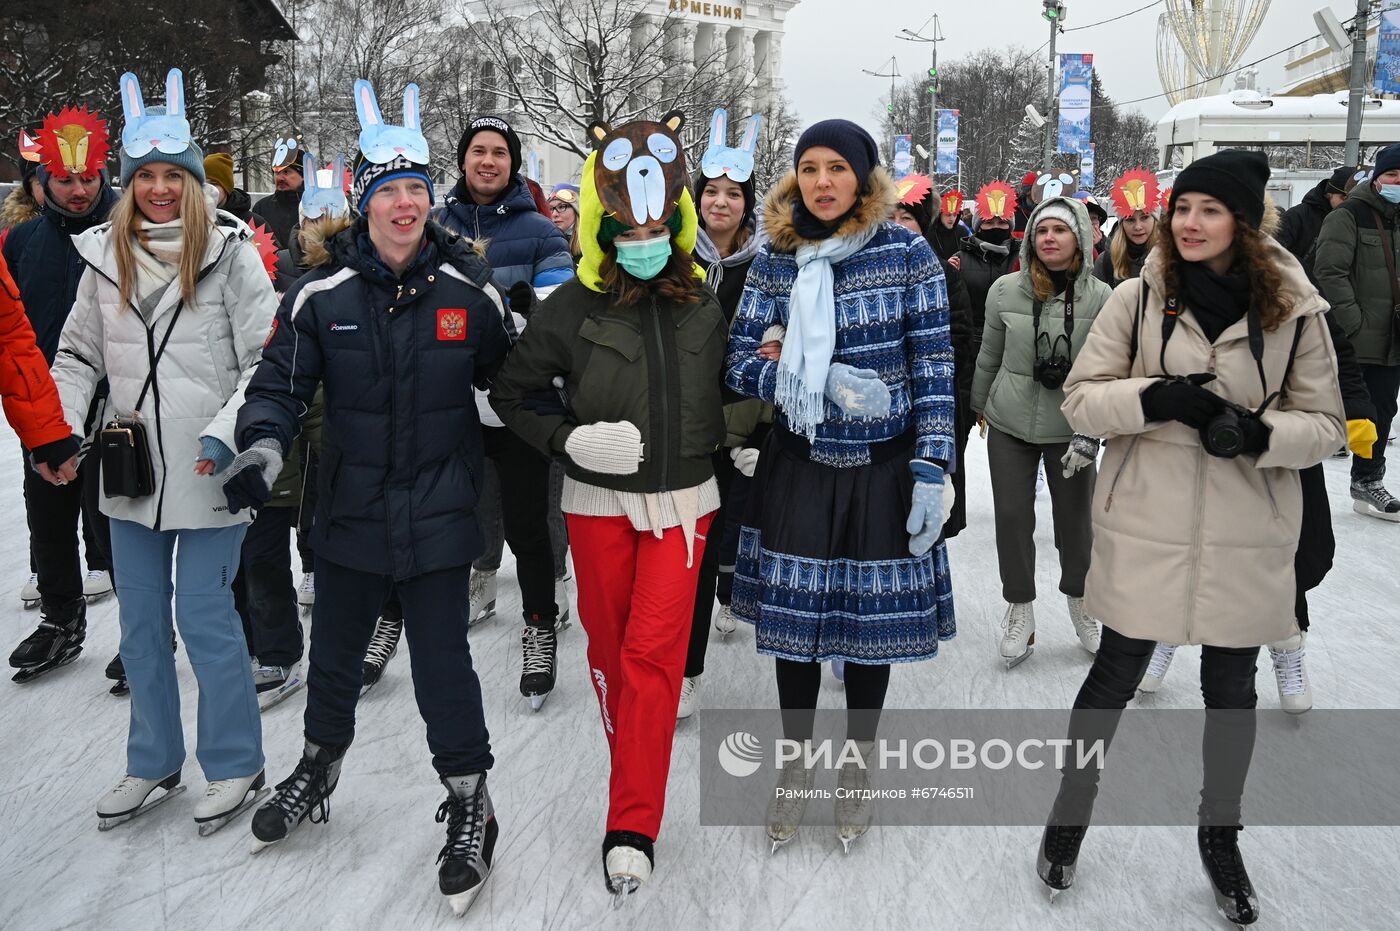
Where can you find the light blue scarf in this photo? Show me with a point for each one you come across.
(811, 330)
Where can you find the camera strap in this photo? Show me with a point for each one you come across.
(1037, 305)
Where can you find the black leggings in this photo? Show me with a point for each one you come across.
(1227, 685)
(799, 684)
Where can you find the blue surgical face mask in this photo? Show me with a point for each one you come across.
(1391, 192)
(644, 259)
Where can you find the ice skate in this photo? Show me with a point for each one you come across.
(1059, 852)
(382, 647)
(1157, 668)
(561, 602)
(471, 839)
(1085, 627)
(789, 802)
(275, 683)
(725, 622)
(224, 799)
(1220, 855)
(690, 697)
(1018, 643)
(306, 593)
(97, 585)
(481, 596)
(853, 805)
(628, 858)
(29, 594)
(133, 797)
(305, 794)
(537, 645)
(1294, 690)
(56, 642)
(1369, 497)
(117, 673)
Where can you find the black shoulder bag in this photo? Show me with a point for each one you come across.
(125, 450)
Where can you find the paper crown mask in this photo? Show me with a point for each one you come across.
(996, 199)
(383, 143)
(324, 192)
(721, 161)
(29, 147)
(1136, 190)
(167, 132)
(912, 189)
(266, 245)
(1049, 185)
(952, 202)
(72, 142)
(639, 173)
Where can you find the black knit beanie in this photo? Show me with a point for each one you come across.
(496, 125)
(845, 138)
(1235, 177)
(1386, 160)
(1342, 180)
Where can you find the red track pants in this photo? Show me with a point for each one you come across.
(635, 600)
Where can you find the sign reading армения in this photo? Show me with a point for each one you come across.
(717, 10)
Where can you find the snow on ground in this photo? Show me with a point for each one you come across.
(372, 865)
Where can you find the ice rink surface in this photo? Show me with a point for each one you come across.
(372, 866)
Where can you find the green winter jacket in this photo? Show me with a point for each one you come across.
(1352, 275)
(1003, 387)
(286, 491)
(653, 365)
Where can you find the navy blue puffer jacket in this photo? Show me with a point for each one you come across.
(522, 244)
(398, 356)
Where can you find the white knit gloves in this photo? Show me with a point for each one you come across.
(606, 448)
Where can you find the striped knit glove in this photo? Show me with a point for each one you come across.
(248, 482)
(1083, 451)
(606, 448)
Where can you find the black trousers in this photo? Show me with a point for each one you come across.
(263, 591)
(310, 462)
(523, 474)
(1383, 384)
(444, 683)
(708, 579)
(800, 683)
(1227, 685)
(53, 513)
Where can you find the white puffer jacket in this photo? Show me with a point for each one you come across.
(213, 349)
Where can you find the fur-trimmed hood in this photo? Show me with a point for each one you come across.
(875, 207)
(18, 208)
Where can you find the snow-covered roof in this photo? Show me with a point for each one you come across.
(1246, 116)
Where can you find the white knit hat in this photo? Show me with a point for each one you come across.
(1056, 210)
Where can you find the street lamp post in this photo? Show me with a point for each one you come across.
(1054, 12)
(894, 73)
(910, 35)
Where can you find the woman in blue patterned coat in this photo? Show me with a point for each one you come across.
(841, 554)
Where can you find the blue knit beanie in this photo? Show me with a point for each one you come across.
(1388, 159)
(192, 159)
(370, 175)
(847, 139)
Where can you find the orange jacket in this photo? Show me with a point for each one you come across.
(30, 399)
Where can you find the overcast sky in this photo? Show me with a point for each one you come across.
(828, 42)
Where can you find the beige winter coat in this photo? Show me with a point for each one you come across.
(1189, 547)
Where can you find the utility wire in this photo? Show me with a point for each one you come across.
(1112, 19)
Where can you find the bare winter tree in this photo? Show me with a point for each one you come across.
(564, 64)
(773, 155)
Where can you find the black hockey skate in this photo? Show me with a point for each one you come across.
(303, 795)
(1059, 851)
(538, 644)
(57, 641)
(628, 858)
(1220, 855)
(382, 647)
(471, 839)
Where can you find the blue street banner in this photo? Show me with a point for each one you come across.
(1086, 168)
(947, 162)
(1388, 54)
(1076, 73)
(903, 155)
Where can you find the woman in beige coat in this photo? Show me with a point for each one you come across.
(1214, 379)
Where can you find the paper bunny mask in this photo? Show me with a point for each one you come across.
(382, 143)
(721, 161)
(324, 193)
(167, 132)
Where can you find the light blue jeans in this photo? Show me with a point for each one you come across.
(230, 730)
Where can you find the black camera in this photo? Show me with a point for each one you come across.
(1223, 435)
(1052, 372)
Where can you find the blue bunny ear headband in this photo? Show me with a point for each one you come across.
(722, 161)
(167, 132)
(382, 143)
(324, 193)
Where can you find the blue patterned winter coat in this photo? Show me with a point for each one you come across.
(892, 316)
